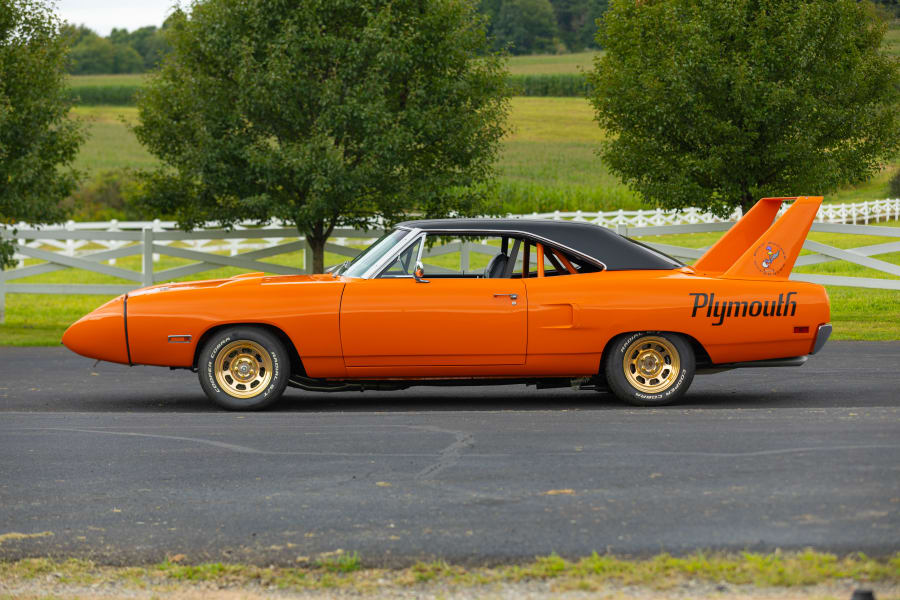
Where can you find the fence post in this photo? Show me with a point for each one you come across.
(70, 243)
(147, 253)
(464, 258)
(622, 229)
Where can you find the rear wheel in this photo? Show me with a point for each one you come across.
(650, 368)
(243, 368)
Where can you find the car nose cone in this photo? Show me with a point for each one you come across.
(100, 334)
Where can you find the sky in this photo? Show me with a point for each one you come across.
(103, 15)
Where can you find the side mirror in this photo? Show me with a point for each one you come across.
(336, 269)
(419, 273)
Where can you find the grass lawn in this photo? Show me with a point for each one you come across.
(552, 64)
(892, 40)
(109, 144)
(780, 574)
(128, 79)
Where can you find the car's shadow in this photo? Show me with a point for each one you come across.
(76, 384)
(493, 399)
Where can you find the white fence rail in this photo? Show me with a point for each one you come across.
(95, 247)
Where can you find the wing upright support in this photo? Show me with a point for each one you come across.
(757, 247)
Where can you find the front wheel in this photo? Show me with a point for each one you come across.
(243, 368)
(650, 368)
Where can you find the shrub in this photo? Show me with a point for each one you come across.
(109, 195)
(894, 185)
(524, 198)
(115, 95)
(567, 84)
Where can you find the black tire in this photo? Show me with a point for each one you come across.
(668, 359)
(253, 371)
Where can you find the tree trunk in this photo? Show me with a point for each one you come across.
(317, 246)
(316, 238)
(747, 201)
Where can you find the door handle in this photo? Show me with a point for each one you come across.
(512, 297)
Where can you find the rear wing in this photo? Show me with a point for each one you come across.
(756, 247)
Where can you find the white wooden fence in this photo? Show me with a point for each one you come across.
(857, 212)
(96, 246)
(273, 234)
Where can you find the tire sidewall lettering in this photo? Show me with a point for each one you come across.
(627, 342)
(210, 364)
(271, 346)
(623, 388)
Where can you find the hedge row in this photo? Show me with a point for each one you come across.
(519, 197)
(523, 85)
(115, 95)
(571, 84)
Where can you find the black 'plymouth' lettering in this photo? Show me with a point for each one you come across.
(719, 309)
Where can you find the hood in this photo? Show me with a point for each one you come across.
(242, 280)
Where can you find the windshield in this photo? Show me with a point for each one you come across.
(371, 255)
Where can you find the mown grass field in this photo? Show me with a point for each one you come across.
(892, 40)
(552, 64)
(127, 79)
(109, 143)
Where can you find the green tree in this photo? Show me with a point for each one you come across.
(577, 21)
(587, 34)
(126, 59)
(491, 9)
(147, 42)
(92, 55)
(892, 6)
(37, 139)
(716, 104)
(323, 113)
(150, 44)
(526, 26)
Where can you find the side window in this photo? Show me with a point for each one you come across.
(461, 256)
(486, 256)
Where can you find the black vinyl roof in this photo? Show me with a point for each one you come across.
(600, 245)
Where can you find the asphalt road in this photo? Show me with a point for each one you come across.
(124, 465)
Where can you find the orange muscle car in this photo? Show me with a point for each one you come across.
(558, 304)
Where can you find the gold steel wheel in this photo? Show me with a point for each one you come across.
(243, 369)
(651, 364)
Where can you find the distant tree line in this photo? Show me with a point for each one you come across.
(891, 6)
(521, 26)
(119, 52)
(543, 26)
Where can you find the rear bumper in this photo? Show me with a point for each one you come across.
(822, 335)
